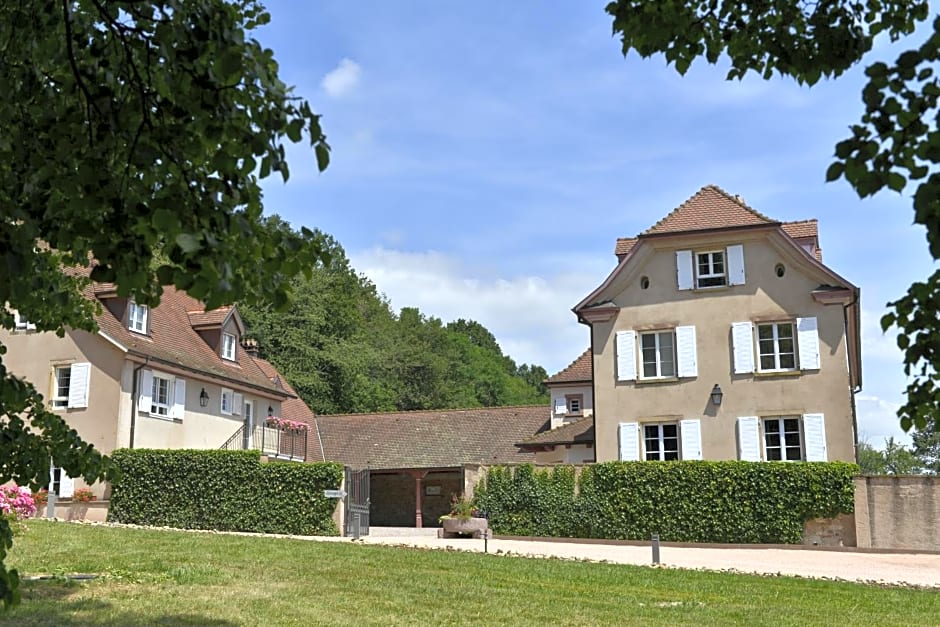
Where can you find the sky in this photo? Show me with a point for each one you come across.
(486, 156)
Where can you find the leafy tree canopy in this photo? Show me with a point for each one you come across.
(896, 144)
(134, 134)
(895, 459)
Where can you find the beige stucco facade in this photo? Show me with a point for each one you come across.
(642, 295)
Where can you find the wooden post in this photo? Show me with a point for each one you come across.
(419, 475)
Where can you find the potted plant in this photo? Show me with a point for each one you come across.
(463, 520)
(40, 498)
(80, 500)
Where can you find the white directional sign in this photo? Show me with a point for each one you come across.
(334, 494)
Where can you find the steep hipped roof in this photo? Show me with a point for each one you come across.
(578, 432)
(295, 409)
(710, 208)
(431, 439)
(173, 341)
(579, 371)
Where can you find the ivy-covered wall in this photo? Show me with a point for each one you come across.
(689, 501)
(223, 491)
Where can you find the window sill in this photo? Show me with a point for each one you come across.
(714, 288)
(159, 417)
(657, 380)
(770, 374)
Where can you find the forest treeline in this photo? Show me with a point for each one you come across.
(344, 350)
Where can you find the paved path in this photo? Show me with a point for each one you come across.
(919, 569)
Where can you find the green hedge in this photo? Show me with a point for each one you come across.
(693, 501)
(223, 491)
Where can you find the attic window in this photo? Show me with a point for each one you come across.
(710, 269)
(228, 346)
(137, 318)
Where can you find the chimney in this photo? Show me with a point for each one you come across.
(251, 347)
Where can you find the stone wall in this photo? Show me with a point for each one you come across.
(898, 512)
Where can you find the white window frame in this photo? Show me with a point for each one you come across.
(660, 438)
(711, 274)
(777, 353)
(157, 408)
(225, 401)
(782, 447)
(228, 346)
(61, 400)
(656, 335)
(137, 317)
(574, 404)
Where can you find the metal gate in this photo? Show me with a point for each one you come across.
(357, 502)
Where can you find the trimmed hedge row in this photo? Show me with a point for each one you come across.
(690, 501)
(223, 491)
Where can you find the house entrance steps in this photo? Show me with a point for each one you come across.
(402, 532)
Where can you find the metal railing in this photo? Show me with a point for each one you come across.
(271, 441)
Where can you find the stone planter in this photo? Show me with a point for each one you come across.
(458, 527)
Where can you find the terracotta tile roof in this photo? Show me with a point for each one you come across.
(624, 246)
(432, 439)
(215, 317)
(173, 341)
(710, 208)
(581, 369)
(801, 228)
(295, 409)
(578, 432)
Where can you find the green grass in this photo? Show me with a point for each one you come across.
(168, 577)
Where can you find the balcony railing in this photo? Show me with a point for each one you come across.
(274, 442)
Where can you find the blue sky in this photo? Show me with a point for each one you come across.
(486, 156)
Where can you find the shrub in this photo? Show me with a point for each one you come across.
(16, 503)
(694, 501)
(223, 491)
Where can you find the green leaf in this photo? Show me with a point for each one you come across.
(323, 156)
(835, 171)
(188, 242)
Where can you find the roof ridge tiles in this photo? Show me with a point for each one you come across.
(696, 202)
(401, 412)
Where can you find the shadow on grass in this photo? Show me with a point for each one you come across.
(49, 603)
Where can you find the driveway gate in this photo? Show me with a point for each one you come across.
(357, 502)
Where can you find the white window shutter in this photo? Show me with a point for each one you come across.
(736, 265)
(691, 433)
(626, 356)
(814, 430)
(78, 385)
(742, 338)
(66, 485)
(749, 439)
(30, 326)
(629, 441)
(561, 406)
(179, 399)
(19, 322)
(686, 351)
(146, 391)
(237, 401)
(808, 343)
(684, 269)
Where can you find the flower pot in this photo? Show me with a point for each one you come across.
(455, 527)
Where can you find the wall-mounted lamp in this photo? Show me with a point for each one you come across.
(716, 395)
(203, 398)
(270, 410)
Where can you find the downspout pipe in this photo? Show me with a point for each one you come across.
(134, 399)
(857, 388)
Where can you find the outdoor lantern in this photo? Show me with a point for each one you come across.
(203, 398)
(716, 395)
(270, 410)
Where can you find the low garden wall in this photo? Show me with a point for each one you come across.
(898, 512)
(223, 491)
(694, 501)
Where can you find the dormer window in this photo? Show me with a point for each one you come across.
(710, 269)
(137, 318)
(228, 346)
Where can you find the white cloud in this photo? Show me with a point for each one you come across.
(530, 316)
(341, 80)
(878, 420)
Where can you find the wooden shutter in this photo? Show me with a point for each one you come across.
(736, 265)
(629, 441)
(78, 385)
(742, 338)
(808, 343)
(691, 433)
(237, 401)
(179, 399)
(684, 270)
(814, 430)
(749, 439)
(66, 485)
(561, 406)
(626, 356)
(686, 351)
(146, 391)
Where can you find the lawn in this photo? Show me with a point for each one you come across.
(169, 577)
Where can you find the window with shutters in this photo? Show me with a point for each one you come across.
(137, 317)
(710, 269)
(661, 442)
(782, 439)
(574, 403)
(658, 355)
(227, 401)
(20, 323)
(776, 346)
(160, 395)
(60, 395)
